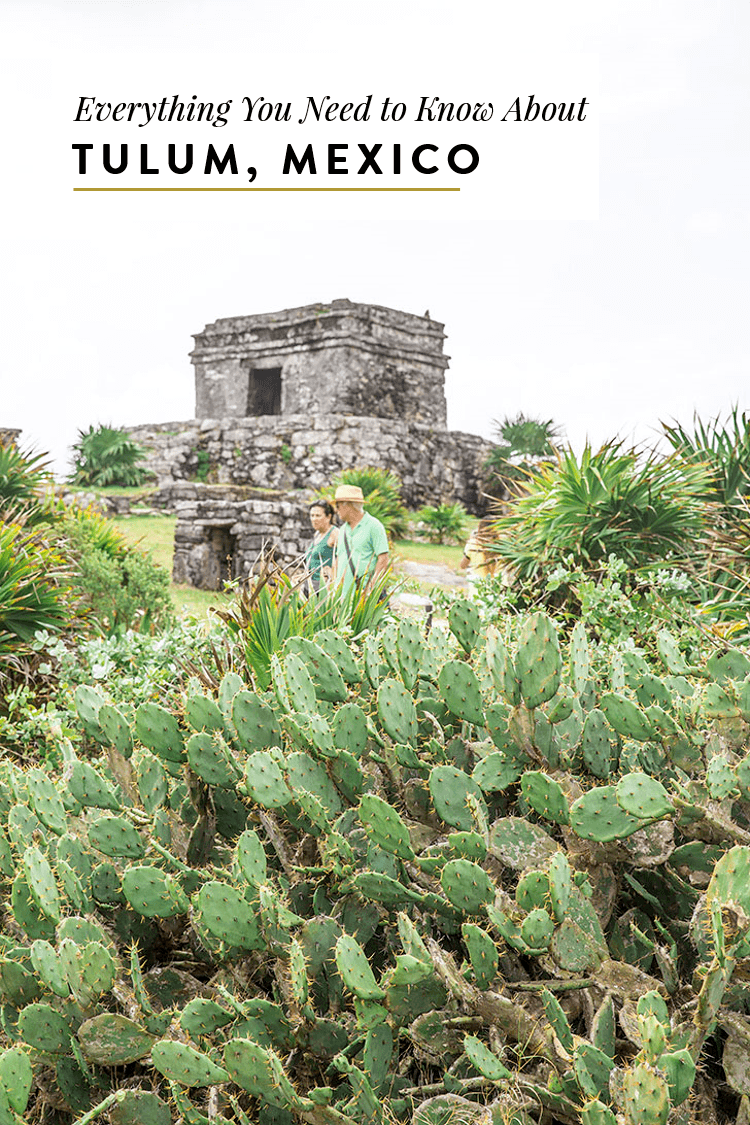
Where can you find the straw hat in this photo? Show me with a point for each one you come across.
(349, 492)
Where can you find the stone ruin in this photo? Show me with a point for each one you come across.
(284, 402)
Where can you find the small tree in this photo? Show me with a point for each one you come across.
(105, 456)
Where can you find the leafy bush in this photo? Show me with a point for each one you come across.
(581, 510)
(724, 448)
(104, 456)
(382, 491)
(444, 523)
(122, 587)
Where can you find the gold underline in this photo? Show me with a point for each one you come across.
(266, 189)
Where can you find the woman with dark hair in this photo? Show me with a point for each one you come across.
(319, 555)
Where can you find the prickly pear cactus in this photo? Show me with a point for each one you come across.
(487, 872)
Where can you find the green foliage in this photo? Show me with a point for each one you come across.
(522, 444)
(104, 456)
(23, 476)
(374, 860)
(202, 465)
(286, 454)
(121, 586)
(581, 510)
(34, 589)
(359, 875)
(444, 523)
(382, 491)
(35, 576)
(276, 606)
(527, 437)
(723, 447)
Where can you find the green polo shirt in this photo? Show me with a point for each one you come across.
(366, 542)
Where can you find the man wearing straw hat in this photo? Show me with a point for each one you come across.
(361, 553)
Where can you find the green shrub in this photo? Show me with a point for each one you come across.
(105, 456)
(444, 523)
(382, 491)
(724, 448)
(121, 586)
(581, 510)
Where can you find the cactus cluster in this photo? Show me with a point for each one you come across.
(448, 853)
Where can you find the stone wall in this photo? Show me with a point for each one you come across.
(9, 436)
(306, 452)
(317, 359)
(220, 533)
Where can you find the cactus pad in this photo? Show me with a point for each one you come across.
(538, 663)
(396, 712)
(153, 893)
(461, 692)
(449, 789)
(113, 1040)
(355, 969)
(545, 796)
(227, 915)
(254, 721)
(115, 729)
(114, 836)
(209, 756)
(643, 796)
(467, 886)
(598, 816)
(465, 624)
(385, 827)
(482, 954)
(46, 802)
(90, 789)
(159, 731)
(182, 1063)
(264, 780)
(41, 883)
(42, 1027)
(322, 668)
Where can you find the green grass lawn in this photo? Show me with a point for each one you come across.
(155, 535)
(420, 551)
(133, 492)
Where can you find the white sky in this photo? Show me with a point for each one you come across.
(605, 325)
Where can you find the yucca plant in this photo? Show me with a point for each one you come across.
(276, 604)
(35, 591)
(23, 477)
(382, 491)
(582, 510)
(722, 446)
(104, 456)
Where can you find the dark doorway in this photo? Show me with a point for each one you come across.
(222, 563)
(263, 391)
